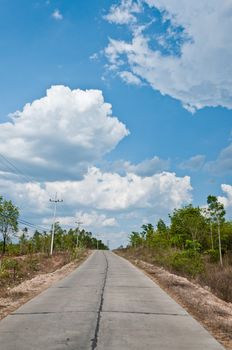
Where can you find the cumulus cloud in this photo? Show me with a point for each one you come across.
(57, 15)
(129, 197)
(106, 191)
(62, 132)
(189, 59)
(227, 199)
(194, 163)
(110, 191)
(87, 219)
(29, 196)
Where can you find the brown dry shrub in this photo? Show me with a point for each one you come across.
(219, 279)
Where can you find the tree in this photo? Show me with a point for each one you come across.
(148, 233)
(23, 241)
(8, 221)
(135, 239)
(188, 223)
(162, 228)
(217, 213)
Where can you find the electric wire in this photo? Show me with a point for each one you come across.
(16, 171)
(14, 168)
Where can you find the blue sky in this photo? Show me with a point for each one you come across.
(167, 75)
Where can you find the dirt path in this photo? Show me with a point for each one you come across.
(213, 313)
(28, 289)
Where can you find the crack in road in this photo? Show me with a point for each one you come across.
(95, 339)
(51, 312)
(144, 313)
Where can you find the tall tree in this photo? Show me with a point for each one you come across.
(8, 221)
(162, 228)
(217, 212)
(188, 223)
(148, 233)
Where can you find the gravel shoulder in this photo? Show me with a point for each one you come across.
(28, 289)
(213, 313)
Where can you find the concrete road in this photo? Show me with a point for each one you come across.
(105, 304)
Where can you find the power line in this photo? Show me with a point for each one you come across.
(15, 169)
(18, 172)
(26, 223)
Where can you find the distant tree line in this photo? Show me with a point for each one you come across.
(40, 241)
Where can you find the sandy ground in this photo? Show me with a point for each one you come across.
(213, 313)
(28, 289)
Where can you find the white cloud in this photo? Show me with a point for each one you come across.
(57, 15)
(61, 132)
(110, 191)
(88, 219)
(194, 163)
(130, 78)
(199, 74)
(29, 197)
(147, 167)
(124, 13)
(105, 191)
(130, 197)
(227, 199)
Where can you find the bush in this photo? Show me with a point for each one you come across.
(188, 262)
(213, 255)
(193, 245)
(10, 264)
(219, 280)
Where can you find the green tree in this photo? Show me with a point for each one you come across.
(161, 226)
(188, 223)
(148, 233)
(135, 239)
(217, 213)
(8, 221)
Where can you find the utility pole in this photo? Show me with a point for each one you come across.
(97, 235)
(219, 241)
(78, 229)
(55, 201)
(211, 234)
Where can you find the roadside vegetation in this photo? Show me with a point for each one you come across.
(25, 253)
(197, 244)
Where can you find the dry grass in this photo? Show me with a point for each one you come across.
(219, 280)
(50, 270)
(14, 270)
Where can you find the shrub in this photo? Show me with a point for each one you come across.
(219, 280)
(188, 262)
(213, 255)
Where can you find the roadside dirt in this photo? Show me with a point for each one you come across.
(213, 313)
(14, 297)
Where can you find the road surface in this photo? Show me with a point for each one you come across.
(105, 304)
